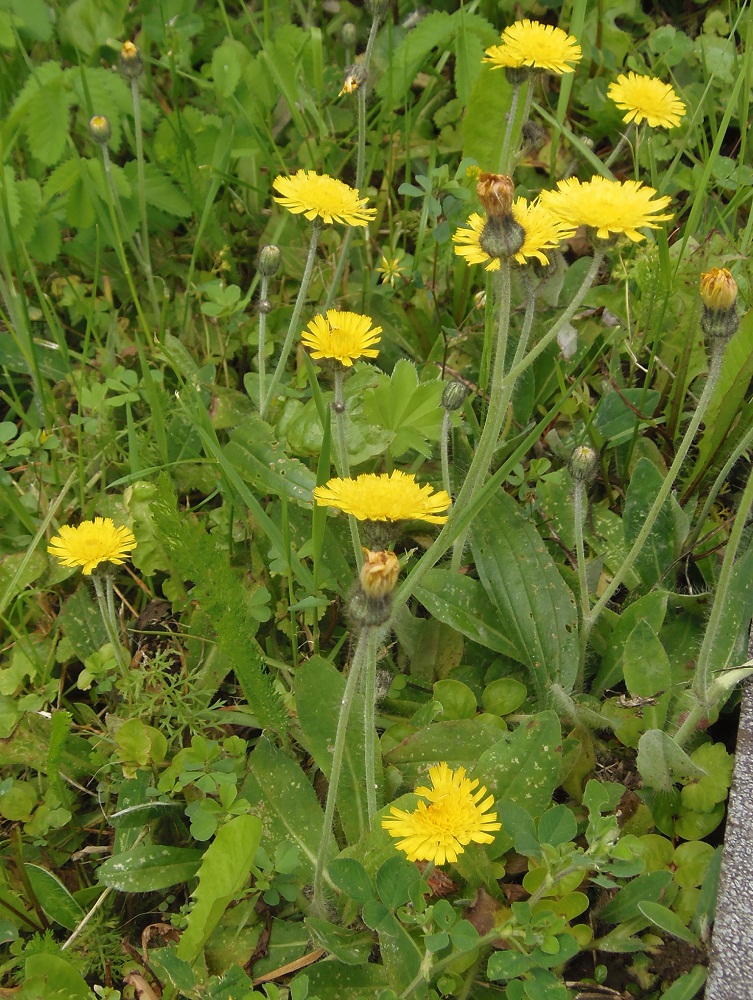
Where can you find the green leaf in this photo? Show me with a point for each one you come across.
(651, 608)
(658, 551)
(507, 965)
(160, 190)
(616, 418)
(524, 766)
(645, 663)
(46, 122)
(336, 981)
(459, 743)
(227, 60)
(503, 696)
(280, 794)
(488, 104)
(736, 613)
(557, 826)
(350, 947)
(668, 921)
(457, 699)
(319, 693)
(54, 898)
(51, 977)
(410, 410)
(351, 878)
(650, 887)
(462, 602)
(688, 985)
(703, 793)
(662, 762)
(395, 880)
(148, 868)
(536, 607)
(224, 870)
(401, 955)
(261, 461)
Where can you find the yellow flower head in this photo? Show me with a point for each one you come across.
(343, 336)
(537, 46)
(455, 816)
(543, 232)
(718, 289)
(393, 497)
(391, 268)
(609, 207)
(92, 543)
(324, 197)
(379, 573)
(645, 97)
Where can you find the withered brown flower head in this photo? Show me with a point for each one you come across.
(495, 192)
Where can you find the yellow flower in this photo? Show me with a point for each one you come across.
(535, 45)
(391, 268)
(324, 197)
(610, 207)
(645, 97)
(393, 497)
(343, 336)
(543, 232)
(455, 816)
(718, 289)
(92, 543)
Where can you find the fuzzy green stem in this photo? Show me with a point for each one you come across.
(444, 452)
(106, 604)
(497, 406)
(715, 368)
(261, 360)
(346, 705)
(504, 156)
(343, 462)
(369, 725)
(720, 480)
(579, 513)
(146, 256)
(704, 666)
(450, 531)
(294, 319)
(624, 138)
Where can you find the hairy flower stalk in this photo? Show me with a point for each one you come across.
(582, 466)
(341, 451)
(294, 320)
(269, 262)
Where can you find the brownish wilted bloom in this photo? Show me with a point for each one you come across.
(495, 192)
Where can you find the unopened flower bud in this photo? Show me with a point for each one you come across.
(348, 34)
(265, 306)
(719, 294)
(534, 134)
(355, 78)
(582, 464)
(718, 289)
(502, 237)
(379, 573)
(269, 260)
(454, 395)
(130, 63)
(99, 129)
(495, 192)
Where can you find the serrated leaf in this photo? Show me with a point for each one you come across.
(410, 410)
(146, 869)
(536, 607)
(160, 190)
(46, 123)
(54, 898)
(224, 870)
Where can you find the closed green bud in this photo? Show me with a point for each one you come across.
(269, 260)
(454, 395)
(348, 34)
(99, 129)
(582, 464)
(130, 63)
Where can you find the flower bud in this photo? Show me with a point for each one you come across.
(265, 306)
(99, 129)
(269, 260)
(719, 320)
(130, 62)
(718, 289)
(582, 464)
(379, 573)
(502, 237)
(348, 34)
(495, 192)
(454, 395)
(355, 78)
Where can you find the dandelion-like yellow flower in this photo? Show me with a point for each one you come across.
(537, 46)
(342, 336)
(610, 207)
(92, 543)
(391, 268)
(455, 816)
(543, 232)
(324, 197)
(646, 98)
(387, 497)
